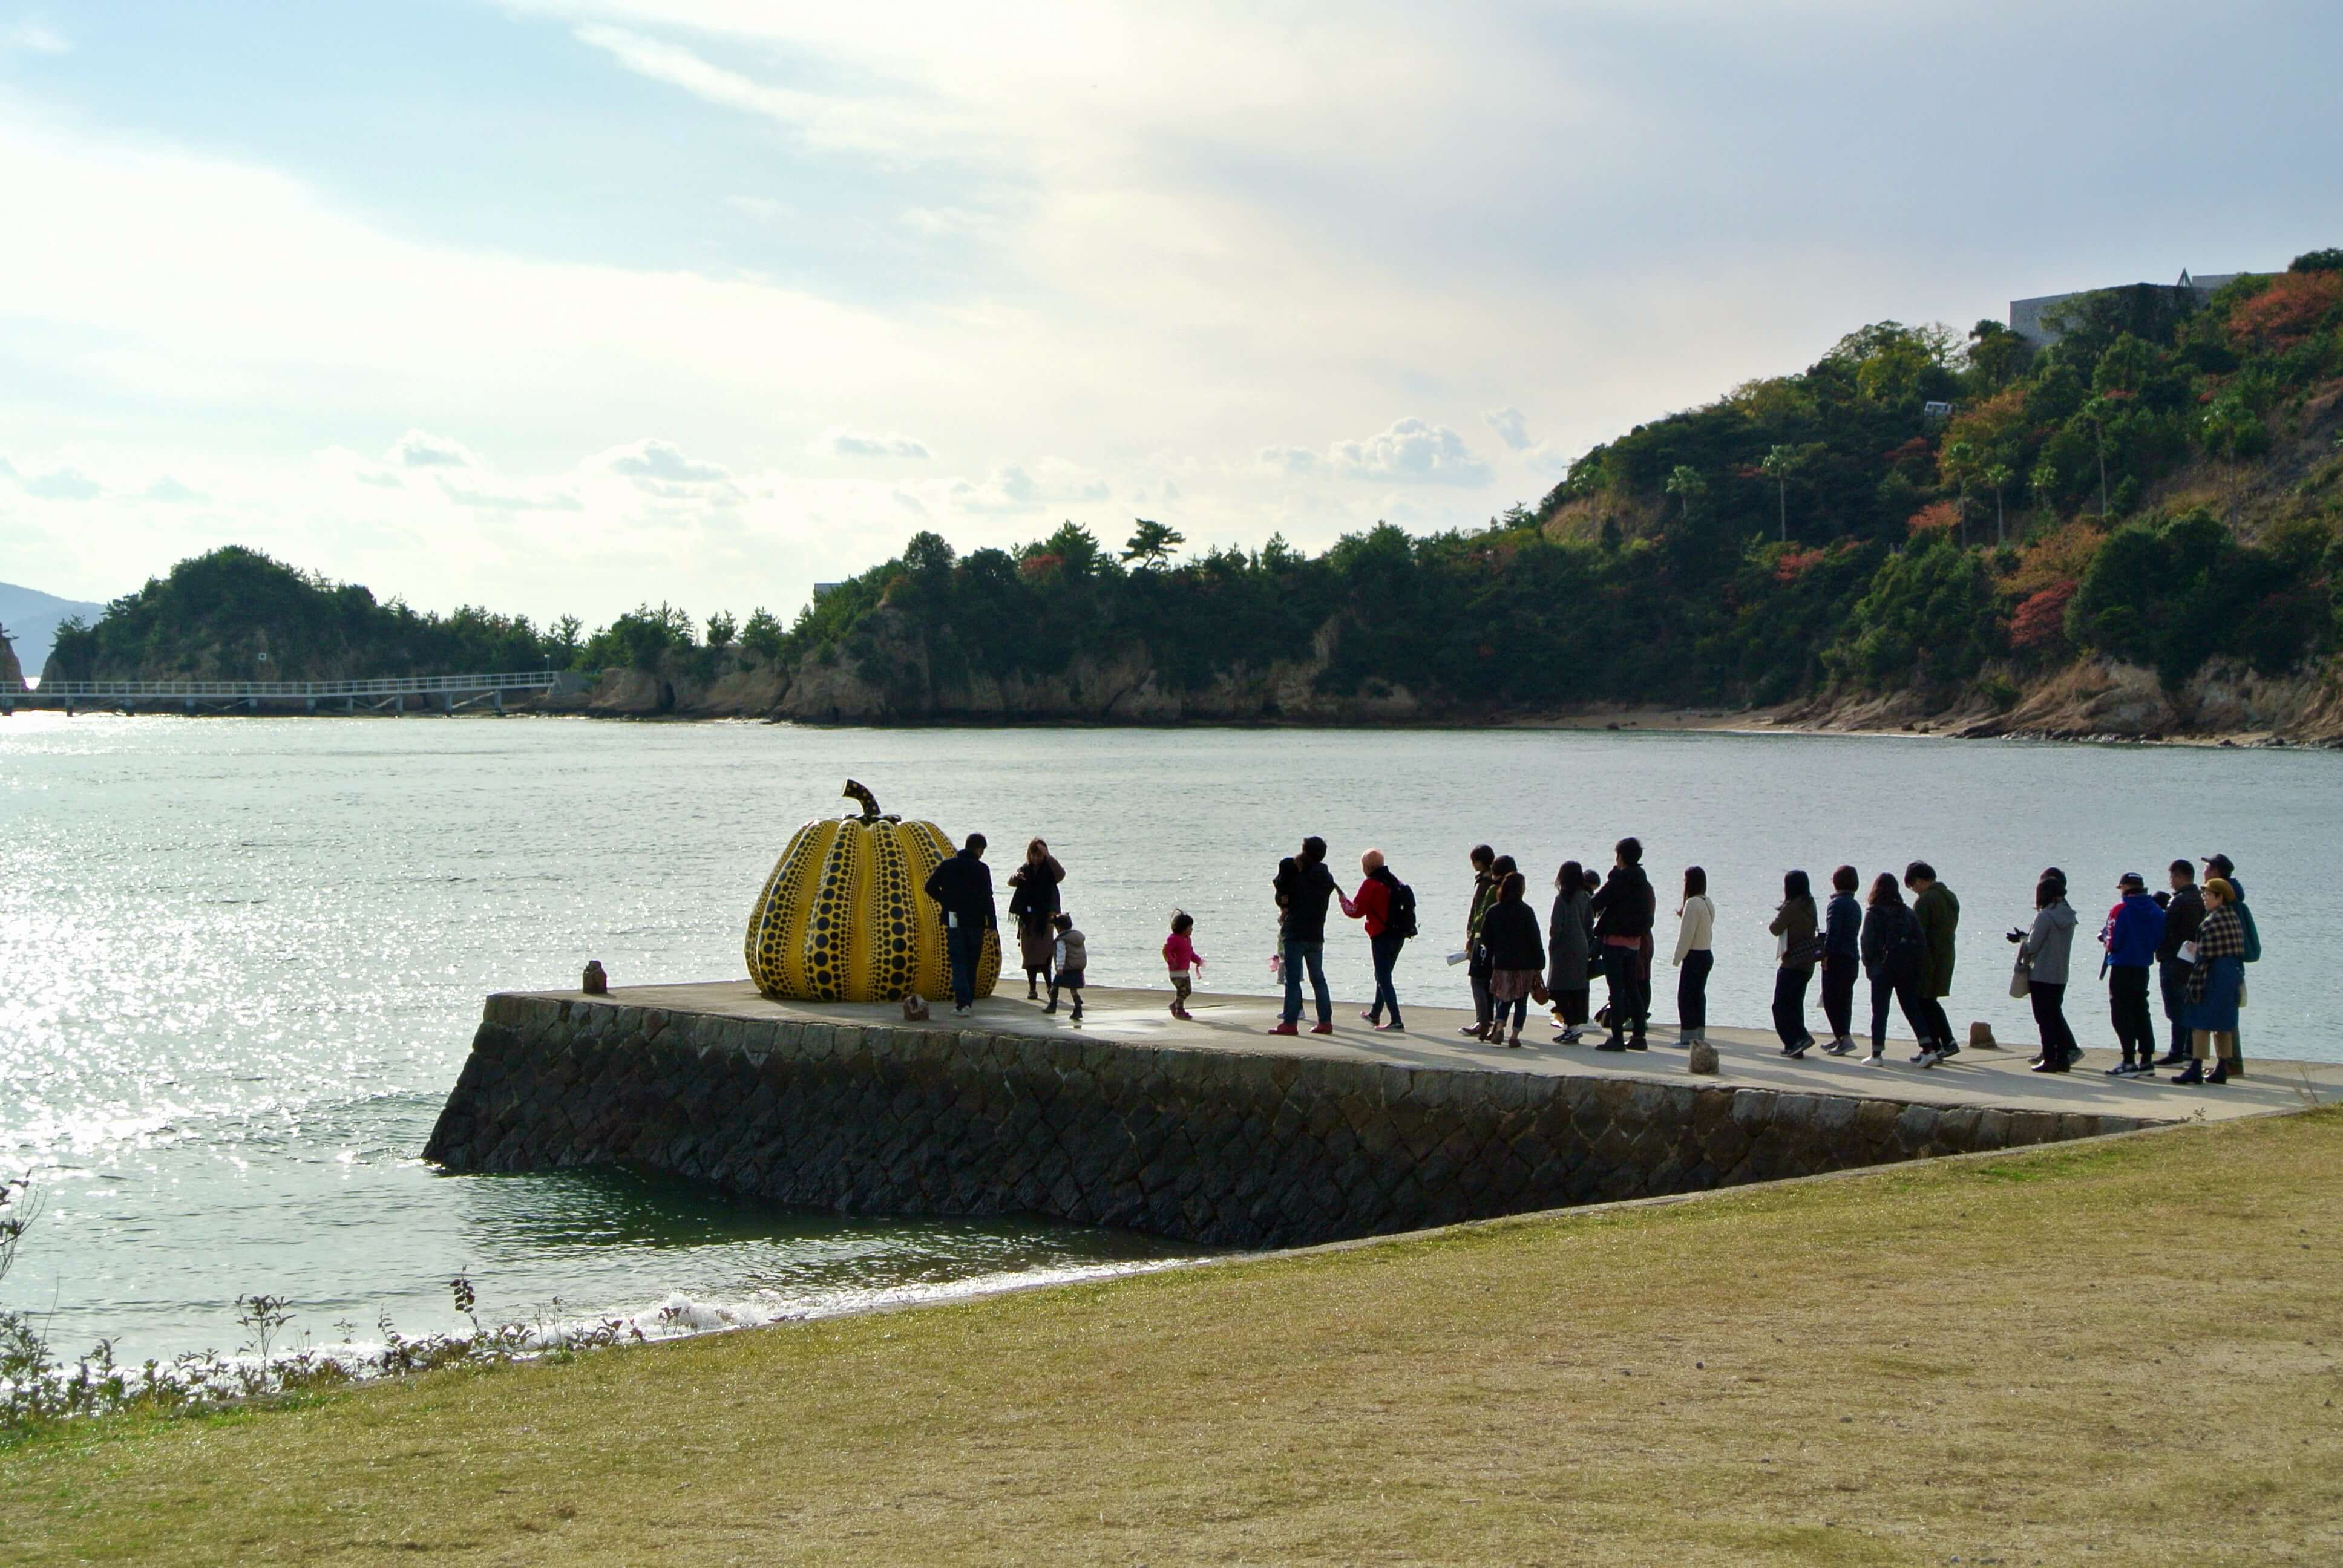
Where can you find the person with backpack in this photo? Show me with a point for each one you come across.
(2133, 935)
(1388, 907)
(1939, 914)
(1071, 958)
(1624, 910)
(1892, 953)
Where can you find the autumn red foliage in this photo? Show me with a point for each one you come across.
(2294, 305)
(2041, 619)
(1040, 563)
(1929, 518)
(1792, 564)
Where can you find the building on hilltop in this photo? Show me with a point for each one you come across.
(2026, 315)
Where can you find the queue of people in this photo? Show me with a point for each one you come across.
(2195, 939)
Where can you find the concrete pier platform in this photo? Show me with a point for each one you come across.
(1214, 1130)
(1747, 1057)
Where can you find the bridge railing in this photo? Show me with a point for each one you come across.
(388, 686)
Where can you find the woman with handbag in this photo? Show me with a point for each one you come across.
(1795, 928)
(1031, 905)
(1516, 957)
(2044, 953)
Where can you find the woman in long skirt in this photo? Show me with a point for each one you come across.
(1031, 905)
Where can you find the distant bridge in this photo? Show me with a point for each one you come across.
(392, 694)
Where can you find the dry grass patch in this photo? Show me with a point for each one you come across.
(2125, 1352)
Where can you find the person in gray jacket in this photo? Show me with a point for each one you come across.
(2046, 951)
(1569, 945)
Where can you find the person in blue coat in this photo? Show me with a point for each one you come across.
(2132, 935)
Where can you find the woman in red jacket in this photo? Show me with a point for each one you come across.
(1376, 902)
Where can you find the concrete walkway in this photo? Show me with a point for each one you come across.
(1749, 1058)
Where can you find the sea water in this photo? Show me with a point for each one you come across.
(241, 960)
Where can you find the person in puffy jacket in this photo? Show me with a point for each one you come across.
(2047, 950)
(2133, 936)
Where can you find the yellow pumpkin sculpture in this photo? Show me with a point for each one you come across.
(844, 916)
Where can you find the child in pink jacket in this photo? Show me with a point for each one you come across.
(1180, 956)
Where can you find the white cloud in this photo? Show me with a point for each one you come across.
(63, 485)
(1411, 452)
(32, 36)
(466, 493)
(168, 488)
(1547, 458)
(422, 449)
(1290, 460)
(1512, 429)
(1009, 489)
(838, 441)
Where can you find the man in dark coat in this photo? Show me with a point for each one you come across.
(963, 888)
(1622, 909)
(1939, 914)
(1304, 887)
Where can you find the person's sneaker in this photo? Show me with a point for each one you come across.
(961, 1012)
(1639, 1043)
(1930, 1057)
(1797, 1053)
(2123, 1069)
(2047, 1066)
(1393, 1027)
(1371, 1017)
(1612, 1044)
(1839, 1048)
(2074, 1055)
(1323, 1026)
(1877, 1059)
(1571, 1035)
(1284, 1029)
(1948, 1050)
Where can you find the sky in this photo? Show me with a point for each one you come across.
(562, 305)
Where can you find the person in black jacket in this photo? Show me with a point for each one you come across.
(2182, 917)
(1303, 891)
(1623, 914)
(1516, 956)
(963, 888)
(1842, 959)
(1891, 947)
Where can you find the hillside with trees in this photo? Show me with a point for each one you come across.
(2136, 529)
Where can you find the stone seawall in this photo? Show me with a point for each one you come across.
(1211, 1145)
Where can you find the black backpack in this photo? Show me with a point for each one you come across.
(1399, 919)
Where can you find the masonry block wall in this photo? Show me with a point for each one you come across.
(1228, 1148)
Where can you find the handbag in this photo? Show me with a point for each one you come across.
(2021, 979)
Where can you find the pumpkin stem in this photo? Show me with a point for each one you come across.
(869, 801)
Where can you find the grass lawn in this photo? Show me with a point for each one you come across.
(2122, 1352)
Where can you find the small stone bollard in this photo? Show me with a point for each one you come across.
(1701, 1057)
(1981, 1037)
(596, 981)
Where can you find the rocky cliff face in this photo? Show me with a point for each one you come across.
(889, 677)
(10, 672)
(2103, 699)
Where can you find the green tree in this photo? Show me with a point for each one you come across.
(763, 636)
(1997, 477)
(1152, 543)
(1686, 485)
(1782, 461)
(721, 628)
